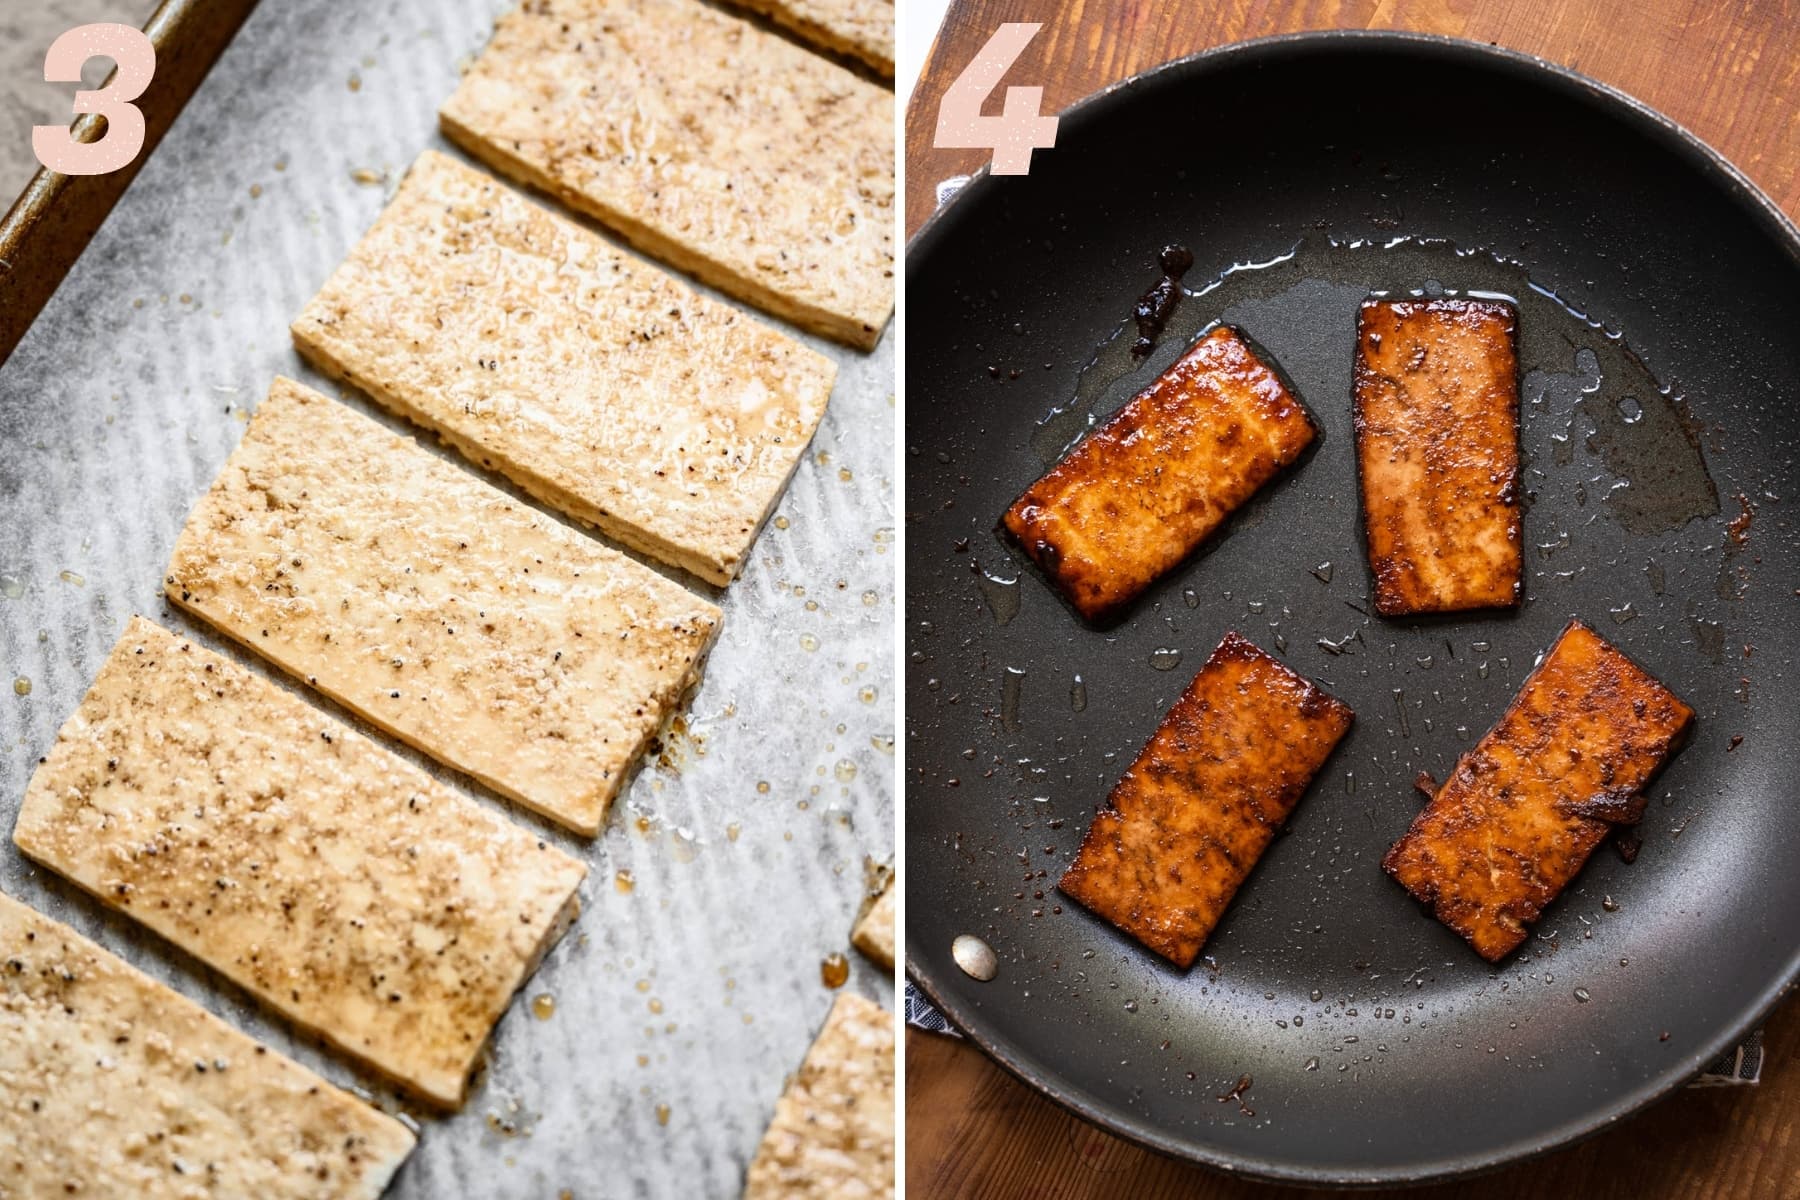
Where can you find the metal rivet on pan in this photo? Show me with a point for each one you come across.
(975, 957)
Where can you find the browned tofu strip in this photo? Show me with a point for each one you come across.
(1196, 810)
(1137, 495)
(1437, 441)
(1523, 810)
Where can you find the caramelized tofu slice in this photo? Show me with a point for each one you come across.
(1196, 810)
(1523, 810)
(1437, 442)
(1138, 494)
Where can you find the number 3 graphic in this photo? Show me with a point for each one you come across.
(135, 57)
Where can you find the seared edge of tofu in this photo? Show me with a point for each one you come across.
(1450, 559)
(1518, 817)
(1194, 812)
(1140, 493)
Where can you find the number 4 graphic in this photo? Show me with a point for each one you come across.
(1019, 129)
(135, 57)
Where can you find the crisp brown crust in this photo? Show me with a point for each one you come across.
(1140, 493)
(1191, 816)
(1437, 444)
(1523, 810)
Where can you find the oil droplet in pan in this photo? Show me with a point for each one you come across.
(834, 970)
(21, 686)
(662, 1114)
(1009, 697)
(624, 881)
(1078, 695)
(543, 1006)
(1002, 595)
(1165, 658)
(975, 957)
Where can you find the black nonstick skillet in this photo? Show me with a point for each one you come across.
(1659, 299)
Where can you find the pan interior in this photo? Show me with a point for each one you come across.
(1657, 306)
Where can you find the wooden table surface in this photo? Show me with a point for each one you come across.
(1727, 69)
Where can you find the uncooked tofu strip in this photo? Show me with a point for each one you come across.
(874, 934)
(459, 620)
(1140, 493)
(116, 1086)
(833, 1133)
(1523, 810)
(601, 385)
(763, 169)
(334, 880)
(857, 28)
(1437, 443)
(1191, 816)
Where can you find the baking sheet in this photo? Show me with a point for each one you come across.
(680, 1005)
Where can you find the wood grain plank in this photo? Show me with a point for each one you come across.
(974, 1133)
(1729, 70)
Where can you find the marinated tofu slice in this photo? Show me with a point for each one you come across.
(861, 29)
(833, 1133)
(1522, 811)
(463, 622)
(725, 150)
(874, 933)
(337, 882)
(117, 1086)
(1185, 826)
(608, 389)
(1437, 444)
(1137, 495)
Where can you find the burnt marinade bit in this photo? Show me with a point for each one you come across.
(1140, 493)
(1186, 824)
(1154, 306)
(1436, 414)
(1568, 763)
